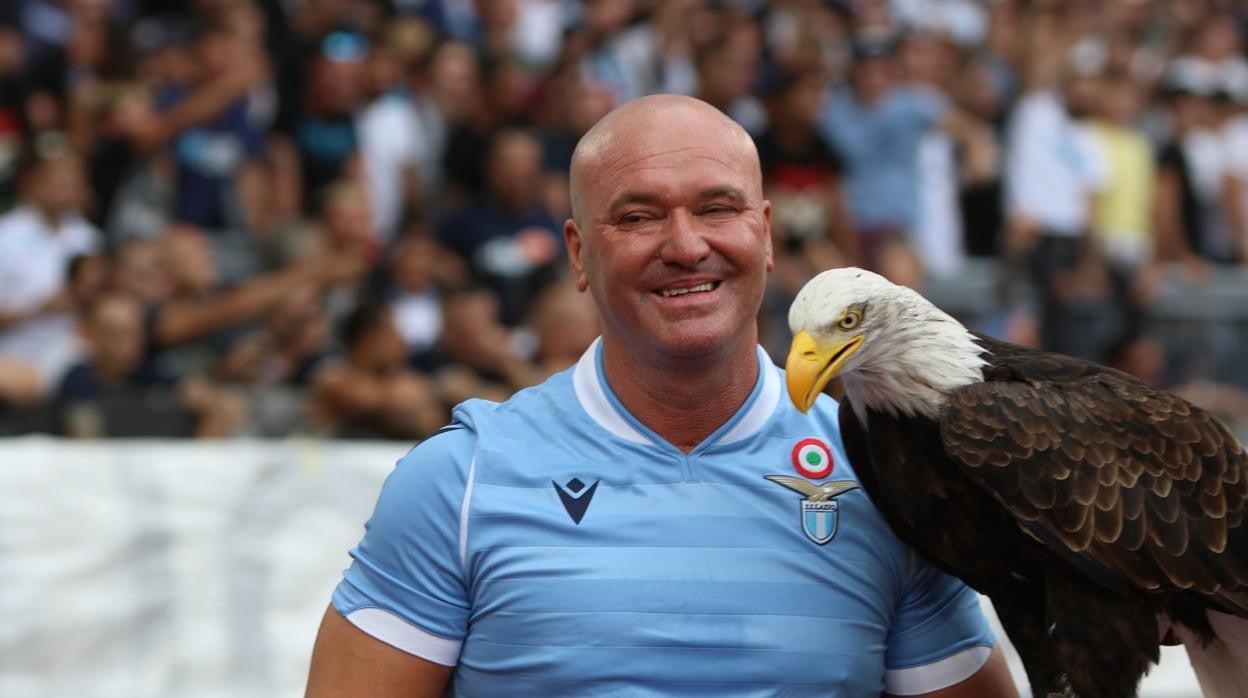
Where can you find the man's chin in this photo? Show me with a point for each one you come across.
(696, 340)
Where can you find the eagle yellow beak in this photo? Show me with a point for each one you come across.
(812, 365)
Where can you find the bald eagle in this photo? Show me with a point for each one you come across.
(1101, 515)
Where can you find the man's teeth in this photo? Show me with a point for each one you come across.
(669, 292)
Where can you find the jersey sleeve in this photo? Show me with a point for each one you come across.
(939, 635)
(406, 585)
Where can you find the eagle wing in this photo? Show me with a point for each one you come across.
(1108, 469)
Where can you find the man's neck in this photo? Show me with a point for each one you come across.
(682, 400)
(52, 217)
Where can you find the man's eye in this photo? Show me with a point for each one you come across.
(634, 218)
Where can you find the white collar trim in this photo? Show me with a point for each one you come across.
(763, 406)
(593, 397)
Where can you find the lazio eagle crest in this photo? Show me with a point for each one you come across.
(819, 507)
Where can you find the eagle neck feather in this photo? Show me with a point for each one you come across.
(911, 368)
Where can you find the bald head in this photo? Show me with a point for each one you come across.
(633, 129)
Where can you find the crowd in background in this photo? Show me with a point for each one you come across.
(343, 217)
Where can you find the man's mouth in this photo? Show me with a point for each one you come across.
(700, 288)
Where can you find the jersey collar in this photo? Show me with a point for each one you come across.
(604, 408)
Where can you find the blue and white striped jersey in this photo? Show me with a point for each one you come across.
(552, 545)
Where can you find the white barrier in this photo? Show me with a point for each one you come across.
(150, 568)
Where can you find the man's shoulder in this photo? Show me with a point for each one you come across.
(16, 221)
(82, 235)
(541, 402)
(528, 417)
(438, 457)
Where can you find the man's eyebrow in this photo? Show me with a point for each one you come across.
(633, 197)
(733, 193)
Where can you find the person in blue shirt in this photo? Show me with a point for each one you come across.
(877, 124)
(657, 520)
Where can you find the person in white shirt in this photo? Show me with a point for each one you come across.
(1053, 171)
(38, 239)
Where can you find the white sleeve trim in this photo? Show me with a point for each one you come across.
(939, 674)
(396, 632)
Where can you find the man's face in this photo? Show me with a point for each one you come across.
(192, 262)
(381, 347)
(514, 170)
(58, 184)
(676, 239)
(116, 333)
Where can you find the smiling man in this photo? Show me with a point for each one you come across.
(655, 521)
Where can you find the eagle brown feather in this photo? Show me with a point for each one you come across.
(1180, 467)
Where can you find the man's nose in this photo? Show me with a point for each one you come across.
(683, 242)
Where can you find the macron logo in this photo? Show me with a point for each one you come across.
(575, 498)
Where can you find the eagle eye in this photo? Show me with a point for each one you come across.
(850, 319)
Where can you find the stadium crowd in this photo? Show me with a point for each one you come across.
(342, 217)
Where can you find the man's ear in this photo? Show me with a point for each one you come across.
(771, 261)
(572, 238)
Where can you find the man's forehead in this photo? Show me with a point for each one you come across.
(664, 132)
(658, 193)
(643, 167)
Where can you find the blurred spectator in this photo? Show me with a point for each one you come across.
(19, 384)
(500, 103)
(37, 241)
(1123, 207)
(392, 143)
(370, 392)
(216, 144)
(564, 323)
(877, 124)
(575, 105)
(200, 319)
(983, 88)
(728, 67)
(927, 61)
(86, 277)
(1139, 355)
(326, 137)
(263, 169)
(123, 118)
(635, 59)
(802, 178)
(805, 36)
(114, 372)
(346, 232)
(1053, 172)
(418, 270)
(347, 222)
(484, 356)
(140, 270)
(452, 95)
(1188, 223)
(286, 350)
(508, 237)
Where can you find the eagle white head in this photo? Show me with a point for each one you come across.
(894, 351)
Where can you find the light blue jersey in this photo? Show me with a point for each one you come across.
(552, 545)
